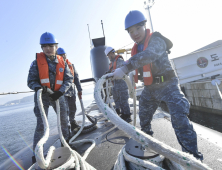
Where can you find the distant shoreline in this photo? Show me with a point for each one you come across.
(18, 101)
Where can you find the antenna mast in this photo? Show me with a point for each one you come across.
(147, 5)
(102, 27)
(89, 37)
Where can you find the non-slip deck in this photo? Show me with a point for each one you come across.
(109, 140)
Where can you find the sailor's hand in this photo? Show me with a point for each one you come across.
(56, 95)
(44, 89)
(107, 72)
(37, 88)
(80, 95)
(118, 73)
(109, 75)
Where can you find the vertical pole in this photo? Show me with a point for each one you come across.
(151, 24)
(147, 8)
(218, 91)
(102, 27)
(89, 37)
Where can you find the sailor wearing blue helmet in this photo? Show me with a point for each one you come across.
(120, 89)
(150, 58)
(49, 71)
(70, 95)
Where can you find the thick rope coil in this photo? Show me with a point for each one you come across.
(184, 159)
(76, 161)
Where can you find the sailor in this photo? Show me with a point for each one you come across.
(70, 95)
(160, 82)
(49, 71)
(120, 89)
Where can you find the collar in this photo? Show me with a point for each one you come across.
(55, 60)
(113, 59)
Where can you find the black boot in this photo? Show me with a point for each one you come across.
(118, 111)
(127, 118)
(74, 127)
(33, 160)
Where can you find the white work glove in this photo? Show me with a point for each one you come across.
(118, 73)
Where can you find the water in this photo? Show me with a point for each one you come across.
(18, 122)
(210, 120)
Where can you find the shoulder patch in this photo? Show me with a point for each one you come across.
(61, 69)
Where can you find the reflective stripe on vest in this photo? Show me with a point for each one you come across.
(147, 72)
(44, 81)
(114, 64)
(70, 67)
(44, 71)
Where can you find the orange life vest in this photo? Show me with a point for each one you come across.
(147, 72)
(114, 65)
(44, 71)
(70, 67)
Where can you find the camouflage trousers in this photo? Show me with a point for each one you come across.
(39, 131)
(71, 107)
(178, 106)
(121, 100)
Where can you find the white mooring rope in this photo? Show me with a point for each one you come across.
(77, 161)
(184, 159)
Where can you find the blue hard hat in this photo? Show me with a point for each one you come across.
(60, 51)
(48, 38)
(133, 18)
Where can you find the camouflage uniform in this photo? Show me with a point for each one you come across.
(168, 91)
(120, 91)
(34, 81)
(70, 96)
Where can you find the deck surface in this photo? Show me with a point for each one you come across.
(109, 140)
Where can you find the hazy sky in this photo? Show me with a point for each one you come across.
(189, 24)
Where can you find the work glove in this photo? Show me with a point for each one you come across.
(44, 89)
(80, 94)
(118, 73)
(109, 71)
(56, 95)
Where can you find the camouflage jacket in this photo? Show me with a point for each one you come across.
(71, 91)
(156, 54)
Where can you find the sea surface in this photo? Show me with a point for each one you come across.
(18, 122)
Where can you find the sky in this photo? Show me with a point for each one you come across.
(189, 24)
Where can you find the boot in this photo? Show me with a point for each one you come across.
(127, 118)
(74, 125)
(33, 160)
(118, 111)
(74, 128)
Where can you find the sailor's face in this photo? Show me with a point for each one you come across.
(137, 33)
(111, 55)
(63, 56)
(49, 49)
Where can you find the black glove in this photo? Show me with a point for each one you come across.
(44, 89)
(56, 95)
(107, 72)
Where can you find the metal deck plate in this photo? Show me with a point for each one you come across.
(60, 156)
(137, 150)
